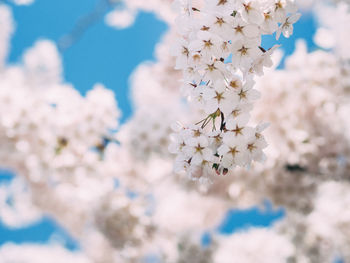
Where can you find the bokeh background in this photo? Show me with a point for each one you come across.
(109, 56)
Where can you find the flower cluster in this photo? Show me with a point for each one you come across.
(320, 236)
(123, 221)
(147, 133)
(51, 147)
(192, 251)
(254, 245)
(220, 52)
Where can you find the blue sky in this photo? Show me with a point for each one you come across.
(109, 56)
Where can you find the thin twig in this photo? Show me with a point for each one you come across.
(84, 23)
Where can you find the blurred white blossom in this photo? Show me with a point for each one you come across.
(113, 186)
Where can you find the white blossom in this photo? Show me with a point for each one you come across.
(220, 52)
